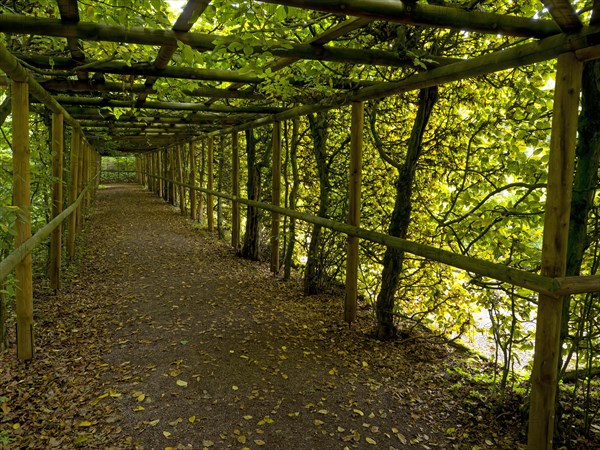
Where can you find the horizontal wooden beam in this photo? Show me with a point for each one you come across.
(87, 101)
(139, 69)
(520, 55)
(200, 41)
(431, 15)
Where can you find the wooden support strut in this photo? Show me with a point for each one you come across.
(355, 180)
(181, 178)
(21, 193)
(276, 194)
(192, 159)
(235, 205)
(75, 143)
(57, 199)
(209, 184)
(544, 376)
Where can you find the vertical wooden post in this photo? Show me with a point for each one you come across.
(21, 195)
(75, 140)
(181, 181)
(209, 185)
(173, 189)
(57, 199)
(544, 376)
(80, 181)
(354, 188)
(201, 183)
(276, 196)
(235, 184)
(192, 160)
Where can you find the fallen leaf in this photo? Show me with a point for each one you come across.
(181, 383)
(371, 441)
(192, 419)
(166, 434)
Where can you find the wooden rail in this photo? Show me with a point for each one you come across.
(551, 286)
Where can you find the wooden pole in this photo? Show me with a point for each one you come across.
(75, 141)
(192, 180)
(201, 183)
(80, 180)
(276, 194)
(209, 185)
(544, 376)
(21, 194)
(181, 180)
(235, 205)
(173, 186)
(57, 199)
(355, 180)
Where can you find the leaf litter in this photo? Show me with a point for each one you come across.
(168, 340)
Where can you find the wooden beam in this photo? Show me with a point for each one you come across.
(235, 185)
(276, 196)
(192, 162)
(181, 180)
(192, 10)
(199, 107)
(54, 267)
(142, 69)
(564, 15)
(21, 197)
(354, 189)
(198, 41)
(75, 145)
(69, 13)
(544, 376)
(430, 15)
(209, 184)
(520, 55)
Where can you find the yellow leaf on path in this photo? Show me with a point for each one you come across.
(241, 439)
(85, 423)
(16, 426)
(248, 417)
(192, 419)
(153, 423)
(318, 422)
(371, 441)
(235, 388)
(259, 442)
(166, 434)
(181, 383)
(139, 408)
(176, 422)
(207, 443)
(359, 412)
(141, 397)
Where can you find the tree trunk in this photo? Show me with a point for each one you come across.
(289, 253)
(251, 247)
(3, 318)
(394, 258)
(313, 274)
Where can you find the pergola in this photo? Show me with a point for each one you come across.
(74, 89)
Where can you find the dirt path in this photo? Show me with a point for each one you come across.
(184, 345)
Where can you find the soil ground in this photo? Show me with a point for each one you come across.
(165, 339)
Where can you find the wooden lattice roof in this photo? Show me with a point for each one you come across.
(102, 95)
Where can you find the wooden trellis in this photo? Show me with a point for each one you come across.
(159, 138)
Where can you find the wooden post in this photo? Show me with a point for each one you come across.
(21, 195)
(544, 376)
(201, 183)
(57, 199)
(235, 184)
(80, 181)
(192, 181)
(354, 188)
(276, 196)
(173, 188)
(75, 141)
(181, 181)
(209, 185)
